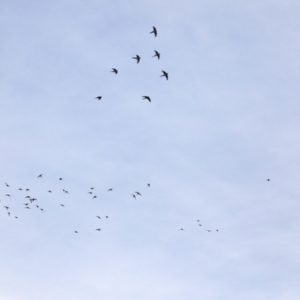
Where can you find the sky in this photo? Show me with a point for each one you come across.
(225, 121)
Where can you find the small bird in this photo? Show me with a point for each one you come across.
(114, 71)
(8, 195)
(217, 230)
(41, 209)
(91, 188)
(8, 213)
(27, 190)
(37, 206)
(62, 205)
(94, 197)
(268, 179)
(154, 31)
(90, 193)
(20, 189)
(49, 191)
(98, 217)
(181, 229)
(66, 192)
(110, 190)
(6, 207)
(134, 196)
(60, 178)
(148, 184)
(16, 217)
(40, 176)
(146, 98)
(157, 54)
(200, 224)
(76, 231)
(27, 197)
(99, 97)
(106, 217)
(27, 207)
(26, 204)
(98, 229)
(165, 74)
(138, 58)
(208, 230)
(138, 193)
(6, 184)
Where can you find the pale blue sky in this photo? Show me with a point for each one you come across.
(225, 121)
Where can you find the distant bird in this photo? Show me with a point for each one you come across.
(60, 178)
(99, 97)
(217, 230)
(27, 190)
(26, 203)
(157, 54)
(8, 195)
(98, 229)
(138, 58)
(134, 196)
(146, 98)
(208, 230)
(165, 74)
(148, 184)
(41, 209)
(49, 191)
(61, 205)
(6, 207)
(91, 188)
(138, 193)
(200, 224)
(106, 217)
(37, 206)
(40, 176)
(94, 197)
(20, 189)
(98, 217)
(66, 192)
(27, 197)
(27, 207)
(6, 184)
(154, 31)
(90, 193)
(76, 231)
(110, 190)
(198, 220)
(181, 229)
(114, 71)
(8, 213)
(16, 217)
(268, 179)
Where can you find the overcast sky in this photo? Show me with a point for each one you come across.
(225, 122)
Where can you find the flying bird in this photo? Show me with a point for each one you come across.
(76, 231)
(99, 97)
(114, 71)
(94, 197)
(268, 179)
(146, 98)
(98, 217)
(134, 196)
(49, 191)
(138, 193)
(148, 184)
(165, 74)
(107, 217)
(181, 229)
(91, 188)
(6, 184)
(90, 193)
(154, 31)
(27, 190)
(6, 207)
(8, 195)
(20, 189)
(138, 58)
(60, 178)
(157, 54)
(110, 190)
(62, 205)
(8, 213)
(98, 229)
(41, 175)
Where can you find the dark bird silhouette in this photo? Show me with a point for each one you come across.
(41, 209)
(217, 230)
(138, 58)
(6, 207)
(16, 217)
(49, 191)
(20, 189)
(90, 193)
(27, 190)
(134, 196)
(98, 217)
(26, 203)
(110, 190)
(208, 230)
(40, 176)
(154, 31)
(138, 193)
(27, 207)
(268, 179)
(91, 188)
(200, 224)
(8, 213)
(157, 54)
(8, 195)
(165, 74)
(62, 205)
(76, 231)
(114, 71)
(106, 217)
(37, 206)
(66, 192)
(146, 98)
(94, 197)
(99, 97)
(181, 229)
(148, 184)
(27, 197)
(98, 229)
(6, 184)
(60, 178)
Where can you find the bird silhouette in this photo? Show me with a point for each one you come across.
(90, 193)
(27, 190)
(268, 179)
(40, 176)
(49, 191)
(157, 54)
(110, 190)
(114, 71)
(76, 231)
(98, 229)
(91, 188)
(6, 184)
(99, 97)
(165, 74)
(6, 207)
(148, 184)
(8, 195)
(146, 98)
(60, 178)
(98, 217)
(106, 217)
(134, 196)
(154, 31)
(138, 58)
(138, 193)
(181, 229)
(62, 205)
(20, 189)
(94, 197)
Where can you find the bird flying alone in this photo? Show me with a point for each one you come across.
(154, 31)
(114, 71)
(138, 58)
(157, 54)
(40, 176)
(110, 190)
(165, 74)
(146, 98)
(99, 97)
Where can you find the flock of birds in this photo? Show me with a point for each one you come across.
(138, 59)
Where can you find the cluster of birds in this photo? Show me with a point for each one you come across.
(28, 205)
(138, 59)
